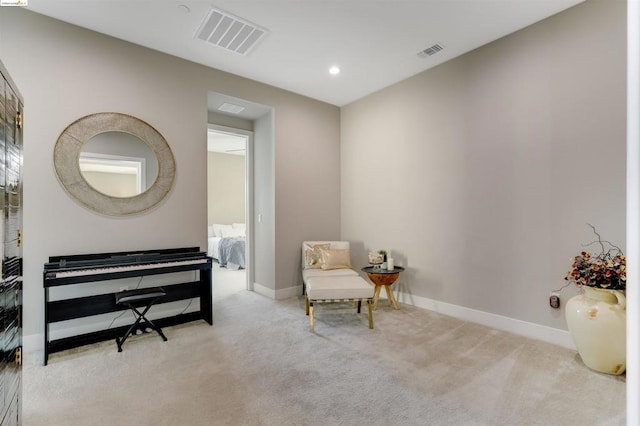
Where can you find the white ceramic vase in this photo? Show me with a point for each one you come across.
(597, 321)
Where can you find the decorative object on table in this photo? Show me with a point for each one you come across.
(376, 259)
(390, 264)
(384, 259)
(597, 318)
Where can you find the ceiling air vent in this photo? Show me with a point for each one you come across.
(430, 51)
(233, 109)
(230, 32)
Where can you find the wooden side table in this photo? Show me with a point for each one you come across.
(383, 278)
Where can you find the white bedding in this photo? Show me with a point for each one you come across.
(213, 248)
(216, 233)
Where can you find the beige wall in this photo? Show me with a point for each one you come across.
(226, 188)
(66, 72)
(228, 121)
(481, 174)
(114, 184)
(486, 167)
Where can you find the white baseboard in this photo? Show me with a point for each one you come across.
(283, 293)
(265, 291)
(528, 329)
(34, 346)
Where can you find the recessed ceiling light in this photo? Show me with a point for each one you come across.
(334, 70)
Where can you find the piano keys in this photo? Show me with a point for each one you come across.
(120, 268)
(92, 268)
(83, 268)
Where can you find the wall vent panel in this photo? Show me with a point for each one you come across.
(430, 51)
(230, 32)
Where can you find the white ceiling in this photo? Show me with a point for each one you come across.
(226, 143)
(374, 42)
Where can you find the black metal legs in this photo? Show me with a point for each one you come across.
(141, 321)
(148, 296)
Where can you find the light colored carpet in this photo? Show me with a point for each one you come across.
(260, 365)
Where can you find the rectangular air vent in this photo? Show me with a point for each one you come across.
(233, 109)
(230, 32)
(430, 51)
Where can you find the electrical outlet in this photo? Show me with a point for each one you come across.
(554, 300)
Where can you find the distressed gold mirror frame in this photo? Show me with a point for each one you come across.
(66, 157)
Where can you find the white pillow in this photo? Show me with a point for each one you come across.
(217, 229)
(242, 226)
(230, 232)
(211, 232)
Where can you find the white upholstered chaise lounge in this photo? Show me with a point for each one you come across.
(328, 277)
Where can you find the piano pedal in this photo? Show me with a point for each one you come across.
(138, 332)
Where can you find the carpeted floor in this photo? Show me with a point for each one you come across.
(260, 365)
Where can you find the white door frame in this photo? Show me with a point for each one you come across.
(248, 182)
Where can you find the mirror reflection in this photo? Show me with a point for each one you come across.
(118, 164)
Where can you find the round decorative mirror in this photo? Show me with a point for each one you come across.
(114, 164)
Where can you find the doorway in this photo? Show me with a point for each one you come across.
(229, 201)
(230, 114)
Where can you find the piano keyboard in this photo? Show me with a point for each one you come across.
(123, 268)
(105, 267)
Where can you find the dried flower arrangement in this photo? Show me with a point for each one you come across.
(607, 270)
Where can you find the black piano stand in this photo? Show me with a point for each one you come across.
(134, 299)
